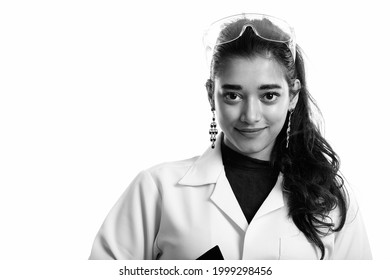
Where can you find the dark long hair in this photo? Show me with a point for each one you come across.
(310, 167)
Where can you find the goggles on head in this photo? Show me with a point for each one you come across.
(266, 27)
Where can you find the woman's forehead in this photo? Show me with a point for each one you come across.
(259, 69)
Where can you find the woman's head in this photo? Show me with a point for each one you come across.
(254, 83)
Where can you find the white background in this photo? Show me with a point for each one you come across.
(92, 92)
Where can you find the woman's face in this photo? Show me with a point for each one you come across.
(251, 98)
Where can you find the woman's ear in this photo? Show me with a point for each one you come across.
(210, 92)
(295, 96)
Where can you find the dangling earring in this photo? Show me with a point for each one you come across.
(288, 129)
(213, 130)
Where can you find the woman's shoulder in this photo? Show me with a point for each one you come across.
(171, 168)
(178, 164)
(161, 175)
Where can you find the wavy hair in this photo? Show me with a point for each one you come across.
(310, 166)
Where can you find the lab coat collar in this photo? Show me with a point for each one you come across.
(209, 169)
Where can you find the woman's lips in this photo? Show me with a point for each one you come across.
(250, 131)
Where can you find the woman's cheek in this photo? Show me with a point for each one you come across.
(274, 114)
(228, 114)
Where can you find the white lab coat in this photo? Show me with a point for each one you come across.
(182, 209)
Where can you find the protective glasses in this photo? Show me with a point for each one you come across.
(266, 27)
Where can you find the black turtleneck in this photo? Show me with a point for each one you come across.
(251, 179)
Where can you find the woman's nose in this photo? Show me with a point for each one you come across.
(251, 111)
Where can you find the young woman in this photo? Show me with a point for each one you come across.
(269, 185)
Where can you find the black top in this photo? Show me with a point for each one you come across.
(251, 179)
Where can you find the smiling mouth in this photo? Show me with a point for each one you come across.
(250, 131)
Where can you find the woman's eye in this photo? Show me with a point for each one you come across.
(232, 96)
(270, 97)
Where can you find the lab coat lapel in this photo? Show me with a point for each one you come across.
(209, 170)
(224, 198)
(273, 201)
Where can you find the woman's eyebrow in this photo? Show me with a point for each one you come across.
(269, 86)
(262, 87)
(232, 87)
